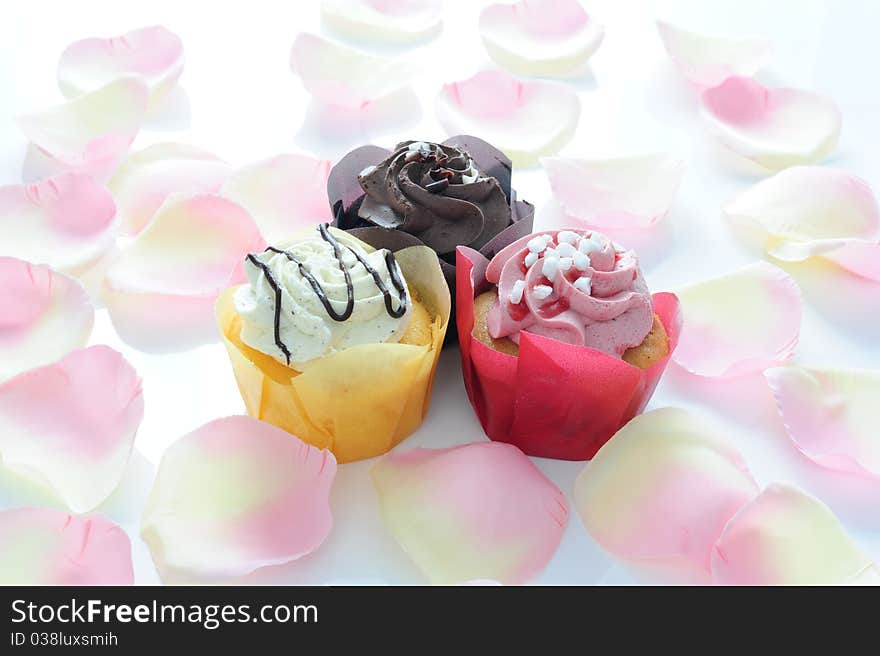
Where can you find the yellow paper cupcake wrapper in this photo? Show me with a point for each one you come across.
(359, 402)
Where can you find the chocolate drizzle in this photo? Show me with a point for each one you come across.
(390, 263)
(277, 289)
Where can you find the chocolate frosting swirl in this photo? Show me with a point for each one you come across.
(443, 195)
(437, 193)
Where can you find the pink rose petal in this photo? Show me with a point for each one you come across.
(831, 414)
(785, 537)
(284, 194)
(235, 495)
(808, 211)
(344, 77)
(739, 323)
(383, 21)
(45, 316)
(774, 128)
(91, 133)
(478, 511)
(659, 493)
(546, 38)
(710, 60)
(71, 425)
(153, 53)
(66, 222)
(859, 257)
(624, 192)
(526, 120)
(147, 177)
(47, 547)
(161, 288)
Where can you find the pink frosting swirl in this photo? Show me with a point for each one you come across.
(573, 286)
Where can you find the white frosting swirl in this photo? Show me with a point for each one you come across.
(306, 329)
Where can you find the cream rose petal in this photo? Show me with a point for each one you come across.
(709, 60)
(47, 547)
(71, 425)
(739, 323)
(808, 211)
(478, 511)
(525, 119)
(547, 38)
(91, 133)
(161, 288)
(785, 537)
(235, 495)
(284, 193)
(344, 77)
(154, 53)
(659, 493)
(45, 316)
(775, 128)
(147, 177)
(831, 414)
(623, 192)
(67, 221)
(399, 22)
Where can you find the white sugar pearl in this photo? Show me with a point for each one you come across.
(581, 261)
(584, 284)
(550, 267)
(542, 291)
(567, 237)
(565, 263)
(516, 293)
(530, 259)
(587, 246)
(536, 245)
(551, 252)
(566, 250)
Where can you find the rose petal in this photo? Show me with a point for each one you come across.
(709, 60)
(147, 177)
(284, 193)
(71, 425)
(381, 22)
(45, 316)
(623, 192)
(162, 287)
(659, 493)
(861, 258)
(345, 77)
(831, 414)
(91, 133)
(738, 323)
(47, 547)
(546, 38)
(477, 511)
(774, 128)
(808, 211)
(235, 495)
(526, 120)
(153, 53)
(785, 537)
(66, 222)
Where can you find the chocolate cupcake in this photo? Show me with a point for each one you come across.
(442, 195)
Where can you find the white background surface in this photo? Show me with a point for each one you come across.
(242, 102)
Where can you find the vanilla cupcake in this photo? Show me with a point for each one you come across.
(577, 288)
(337, 342)
(561, 341)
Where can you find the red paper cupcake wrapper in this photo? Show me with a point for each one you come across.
(553, 400)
